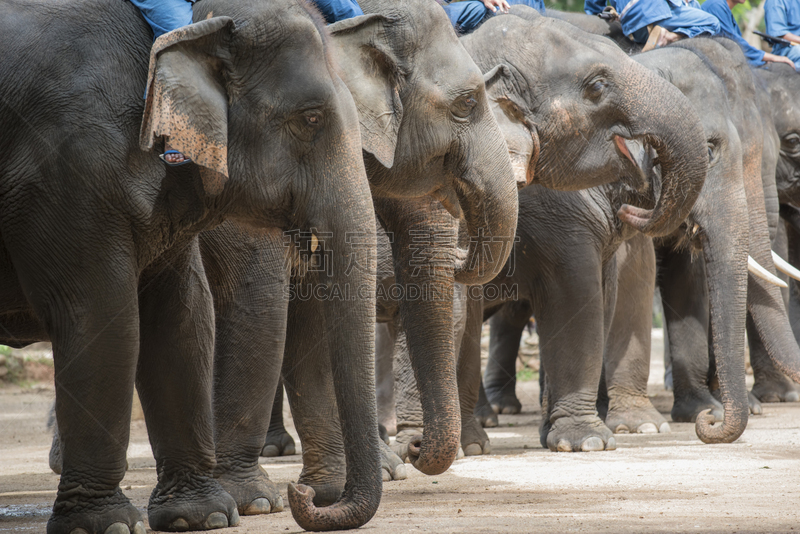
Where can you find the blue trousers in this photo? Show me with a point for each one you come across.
(686, 20)
(467, 16)
(165, 15)
(336, 10)
(792, 52)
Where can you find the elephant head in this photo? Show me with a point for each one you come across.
(426, 126)
(592, 107)
(427, 131)
(783, 86)
(250, 94)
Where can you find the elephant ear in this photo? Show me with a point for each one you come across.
(187, 99)
(371, 71)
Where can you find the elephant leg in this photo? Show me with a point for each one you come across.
(384, 378)
(770, 385)
(474, 440)
(307, 377)
(278, 441)
(483, 412)
(87, 301)
(500, 377)
(407, 402)
(684, 294)
(571, 336)
(627, 356)
(174, 380)
(247, 283)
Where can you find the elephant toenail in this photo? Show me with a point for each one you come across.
(139, 528)
(118, 528)
(611, 445)
(507, 410)
(277, 506)
(179, 524)
(473, 449)
(647, 428)
(386, 476)
(78, 531)
(592, 444)
(257, 507)
(792, 396)
(487, 448)
(400, 472)
(234, 520)
(622, 429)
(664, 428)
(563, 446)
(217, 520)
(460, 454)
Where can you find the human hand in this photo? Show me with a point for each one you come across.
(494, 4)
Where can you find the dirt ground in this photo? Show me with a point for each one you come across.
(651, 483)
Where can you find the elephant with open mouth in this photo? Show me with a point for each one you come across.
(99, 251)
(571, 109)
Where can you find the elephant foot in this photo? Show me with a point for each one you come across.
(383, 433)
(392, 466)
(278, 443)
(253, 491)
(686, 409)
(403, 439)
(634, 414)
(503, 401)
(474, 440)
(775, 388)
(578, 433)
(191, 502)
(485, 415)
(101, 512)
(754, 404)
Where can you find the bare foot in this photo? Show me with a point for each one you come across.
(172, 156)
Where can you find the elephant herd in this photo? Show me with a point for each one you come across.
(379, 170)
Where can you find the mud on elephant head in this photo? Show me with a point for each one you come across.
(598, 115)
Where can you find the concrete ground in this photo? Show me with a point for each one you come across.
(651, 483)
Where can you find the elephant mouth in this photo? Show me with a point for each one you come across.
(643, 158)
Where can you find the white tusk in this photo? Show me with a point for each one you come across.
(785, 267)
(759, 271)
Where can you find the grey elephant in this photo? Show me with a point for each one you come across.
(427, 136)
(727, 153)
(113, 276)
(523, 87)
(775, 88)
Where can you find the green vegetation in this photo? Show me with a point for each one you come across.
(5, 351)
(527, 374)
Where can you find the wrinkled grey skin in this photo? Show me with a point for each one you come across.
(723, 201)
(773, 347)
(427, 133)
(521, 100)
(120, 290)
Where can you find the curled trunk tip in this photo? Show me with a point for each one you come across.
(728, 431)
(344, 514)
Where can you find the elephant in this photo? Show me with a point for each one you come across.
(427, 136)
(529, 81)
(687, 283)
(100, 253)
(772, 344)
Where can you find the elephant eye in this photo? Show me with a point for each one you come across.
(713, 152)
(596, 88)
(313, 118)
(463, 106)
(791, 144)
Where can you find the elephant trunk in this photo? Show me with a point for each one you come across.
(346, 241)
(487, 194)
(725, 244)
(677, 135)
(427, 320)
